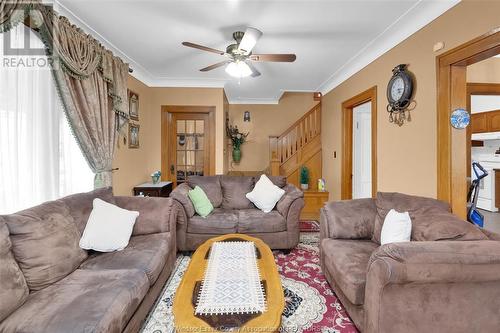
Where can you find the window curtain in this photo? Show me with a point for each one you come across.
(91, 82)
(39, 157)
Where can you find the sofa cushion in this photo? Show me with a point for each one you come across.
(210, 185)
(109, 227)
(350, 219)
(265, 194)
(13, 287)
(45, 243)
(347, 262)
(419, 209)
(80, 205)
(256, 221)
(181, 195)
(445, 226)
(220, 221)
(279, 181)
(85, 301)
(146, 253)
(234, 190)
(292, 193)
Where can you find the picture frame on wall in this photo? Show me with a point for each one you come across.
(133, 135)
(133, 105)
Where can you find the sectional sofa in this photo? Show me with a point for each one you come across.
(49, 284)
(234, 213)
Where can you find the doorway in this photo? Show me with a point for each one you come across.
(188, 142)
(359, 146)
(361, 151)
(452, 94)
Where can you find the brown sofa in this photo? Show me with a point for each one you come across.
(447, 279)
(49, 284)
(234, 213)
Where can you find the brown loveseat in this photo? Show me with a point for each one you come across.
(234, 213)
(447, 279)
(49, 284)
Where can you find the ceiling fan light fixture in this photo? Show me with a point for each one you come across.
(238, 69)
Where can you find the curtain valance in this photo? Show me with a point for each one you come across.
(91, 81)
(12, 12)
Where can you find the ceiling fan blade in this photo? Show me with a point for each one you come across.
(214, 66)
(255, 72)
(249, 40)
(274, 57)
(203, 48)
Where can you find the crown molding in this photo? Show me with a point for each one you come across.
(418, 16)
(187, 82)
(271, 100)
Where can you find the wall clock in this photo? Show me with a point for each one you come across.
(399, 94)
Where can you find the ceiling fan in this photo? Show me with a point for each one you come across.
(240, 56)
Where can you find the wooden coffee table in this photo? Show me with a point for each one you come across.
(185, 297)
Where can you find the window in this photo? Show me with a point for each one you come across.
(39, 157)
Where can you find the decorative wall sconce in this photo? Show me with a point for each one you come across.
(246, 116)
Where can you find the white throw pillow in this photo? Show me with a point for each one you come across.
(396, 228)
(265, 194)
(109, 227)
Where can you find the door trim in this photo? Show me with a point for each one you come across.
(369, 95)
(451, 94)
(166, 117)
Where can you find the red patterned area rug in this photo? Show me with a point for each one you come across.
(309, 226)
(311, 306)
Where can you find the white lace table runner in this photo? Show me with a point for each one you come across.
(232, 281)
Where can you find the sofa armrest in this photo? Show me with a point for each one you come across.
(292, 193)
(180, 194)
(155, 214)
(412, 284)
(349, 219)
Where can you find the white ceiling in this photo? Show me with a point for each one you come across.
(332, 39)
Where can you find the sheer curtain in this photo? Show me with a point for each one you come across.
(39, 157)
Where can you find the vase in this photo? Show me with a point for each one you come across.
(155, 179)
(304, 187)
(236, 155)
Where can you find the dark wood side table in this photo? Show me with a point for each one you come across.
(162, 189)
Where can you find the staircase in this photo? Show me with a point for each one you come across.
(299, 145)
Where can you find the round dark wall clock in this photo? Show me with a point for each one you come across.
(399, 94)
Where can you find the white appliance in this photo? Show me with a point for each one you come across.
(486, 198)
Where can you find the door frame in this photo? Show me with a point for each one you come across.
(166, 118)
(369, 95)
(451, 72)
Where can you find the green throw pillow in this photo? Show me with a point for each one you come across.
(200, 201)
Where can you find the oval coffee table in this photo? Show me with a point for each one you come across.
(185, 319)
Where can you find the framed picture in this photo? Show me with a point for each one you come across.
(133, 105)
(133, 135)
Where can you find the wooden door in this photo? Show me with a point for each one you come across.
(189, 147)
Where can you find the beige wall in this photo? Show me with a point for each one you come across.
(486, 71)
(136, 165)
(266, 120)
(406, 155)
(132, 163)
